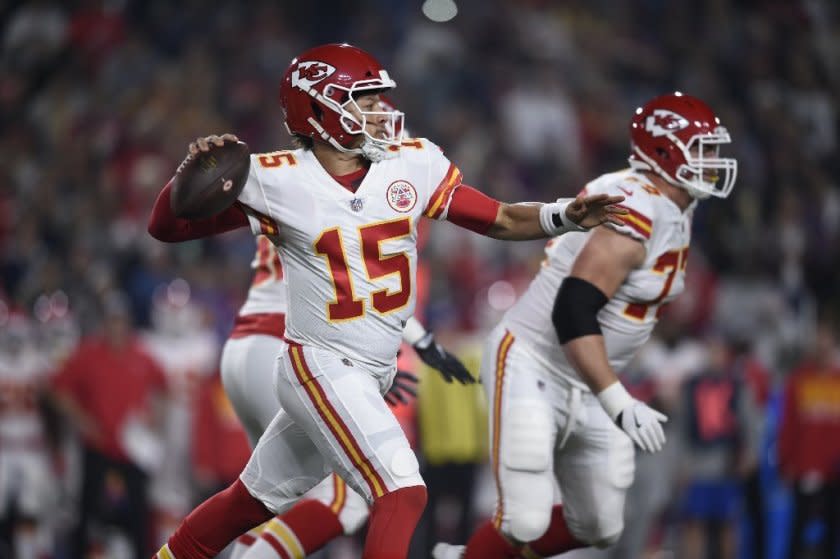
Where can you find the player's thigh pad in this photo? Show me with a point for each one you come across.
(340, 406)
(522, 435)
(526, 468)
(350, 507)
(594, 470)
(247, 368)
(285, 464)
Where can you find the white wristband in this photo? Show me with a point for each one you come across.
(413, 331)
(549, 223)
(614, 399)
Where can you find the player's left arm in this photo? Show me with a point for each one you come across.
(433, 354)
(599, 270)
(473, 210)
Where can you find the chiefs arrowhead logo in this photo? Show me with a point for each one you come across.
(663, 122)
(310, 72)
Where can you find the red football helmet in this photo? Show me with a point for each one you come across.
(678, 137)
(320, 86)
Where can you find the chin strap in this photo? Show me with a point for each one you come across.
(370, 149)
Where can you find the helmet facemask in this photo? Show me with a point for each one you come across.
(705, 173)
(354, 119)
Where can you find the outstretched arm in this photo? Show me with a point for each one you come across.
(530, 220)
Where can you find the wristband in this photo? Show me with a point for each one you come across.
(413, 331)
(553, 218)
(614, 399)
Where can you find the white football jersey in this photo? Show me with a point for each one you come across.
(267, 293)
(630, 315)
(23, 376)
(349, 259)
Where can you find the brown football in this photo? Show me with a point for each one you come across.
(211, 181)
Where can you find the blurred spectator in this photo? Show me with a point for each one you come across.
(809, 444)
(714, 420)
(220, 448)
(106, 390)
(453, 443)
(656, 377)
(28, 486)
(187, 350)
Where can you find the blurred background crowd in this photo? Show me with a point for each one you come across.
(109, 340)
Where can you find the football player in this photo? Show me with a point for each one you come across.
(27, 479)
(558, 410)
(343, 210)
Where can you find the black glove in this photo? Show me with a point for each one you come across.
(441, 360)
(404, 383)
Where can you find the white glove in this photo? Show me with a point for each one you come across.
(642, 423)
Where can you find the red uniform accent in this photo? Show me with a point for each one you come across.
(393, 518)
(472, 209)
(437, 201)
(809, 438)
(111, 384)
(351, 181)
(164, 226)
(637, 221)
(216, 522)
(270, 324)
(487, 543)
(313, 524)
(557, 539)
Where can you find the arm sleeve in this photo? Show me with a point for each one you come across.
(472, 209)
(164, 226)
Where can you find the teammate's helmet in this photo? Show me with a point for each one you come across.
(320, 86)
(673, 135)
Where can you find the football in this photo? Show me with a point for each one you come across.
(210, 181)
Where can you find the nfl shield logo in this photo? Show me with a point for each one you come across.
(356, 204)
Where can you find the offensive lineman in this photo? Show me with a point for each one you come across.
(558, 411)
(349, 257)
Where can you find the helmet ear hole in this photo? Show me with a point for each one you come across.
(663, 153)
(317, 111)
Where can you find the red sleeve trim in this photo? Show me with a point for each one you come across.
(164, 226)
(637, 221)
(438, 201)
(473, 210)
(268, 226)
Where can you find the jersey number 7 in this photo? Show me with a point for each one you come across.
(346, 306)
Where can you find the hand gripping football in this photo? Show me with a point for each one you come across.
(210, 181)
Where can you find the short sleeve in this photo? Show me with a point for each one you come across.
(255, 203)
(444, 179)
(638, 222)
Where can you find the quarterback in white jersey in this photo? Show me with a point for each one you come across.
(247, 368)
(559, 414)
(349, 258)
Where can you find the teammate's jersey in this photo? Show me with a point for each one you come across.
(630, 315)
(188, 360)
(23, 376)
(267, 293)
(349, 258)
